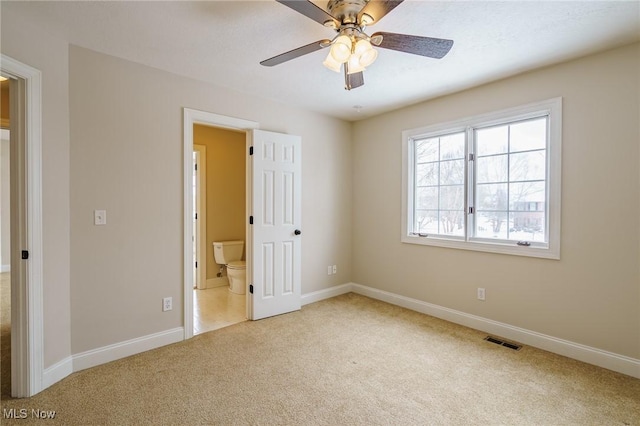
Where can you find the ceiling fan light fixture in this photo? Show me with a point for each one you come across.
(354, 65)
(365, 52)
(368, 57)
(341, 49)
(331, 63)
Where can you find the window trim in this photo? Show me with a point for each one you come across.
(552, 108)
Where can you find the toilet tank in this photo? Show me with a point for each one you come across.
(225, 252)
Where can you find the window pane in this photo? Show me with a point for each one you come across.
(522, 196)
(427, 174)
(452, 197)
(492, 197)
(452, 146)
(491, 225)
(527, 226)
(528, 135)
(527, 166)
(427, 150)
(427, 198)
(452, 172)
(492, 141)
(426, 222)
(452, 222)
(492, 169)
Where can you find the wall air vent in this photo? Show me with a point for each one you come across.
(509, 345)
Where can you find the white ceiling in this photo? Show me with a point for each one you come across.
(222, 42)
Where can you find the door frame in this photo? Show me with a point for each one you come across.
(201, 209)
(27, 322)
(191, 117)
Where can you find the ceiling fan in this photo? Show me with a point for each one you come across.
(352, 47)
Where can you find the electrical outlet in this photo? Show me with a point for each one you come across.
(329, 270)
(335, 269)
(99, 217)
(481, 293)
(167, 304)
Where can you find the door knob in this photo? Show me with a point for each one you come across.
(297, 232)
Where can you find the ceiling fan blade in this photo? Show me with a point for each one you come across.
(310, 10)
(377, 9)
(425, 46)
(295, 53)
(351, 81)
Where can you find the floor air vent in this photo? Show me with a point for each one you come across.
(503, 343)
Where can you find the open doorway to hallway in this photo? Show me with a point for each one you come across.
(219, 193)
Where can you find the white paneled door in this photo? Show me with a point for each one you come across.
(275, 235)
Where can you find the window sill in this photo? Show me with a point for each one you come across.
(543, 252)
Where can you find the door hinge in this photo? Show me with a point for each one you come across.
(25, 254)
(471, 210)
(196, 264)
(251, 288)
(250, 150)
(196, 216)
(250, 220)
(472, 157)
(195, 166)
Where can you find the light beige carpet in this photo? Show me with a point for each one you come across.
(349, 360)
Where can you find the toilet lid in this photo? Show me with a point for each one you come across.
(238, 264)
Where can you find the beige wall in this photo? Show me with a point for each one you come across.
(592, 295)
(226, 191)
(32, 45)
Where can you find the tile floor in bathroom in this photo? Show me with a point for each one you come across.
(216, 308)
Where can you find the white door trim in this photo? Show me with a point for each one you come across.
(201, 229)
(27, 340)
(191, 117)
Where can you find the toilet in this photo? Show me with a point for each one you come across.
(229, 253)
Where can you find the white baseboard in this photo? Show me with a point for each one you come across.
(127, 348)
(620, 363)
(57, 372)
(5, 268)
(326, 293)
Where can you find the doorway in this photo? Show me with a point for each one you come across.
(25, 106)
(219, 193)
(272, 217)
(192, 117)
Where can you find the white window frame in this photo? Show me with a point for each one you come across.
(550, 250)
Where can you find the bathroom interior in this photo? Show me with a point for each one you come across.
(219, 187)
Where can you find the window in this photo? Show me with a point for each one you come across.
(487, 183)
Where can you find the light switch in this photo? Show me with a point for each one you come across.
(99, 217)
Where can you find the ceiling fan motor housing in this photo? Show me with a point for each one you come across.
(346, 11)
